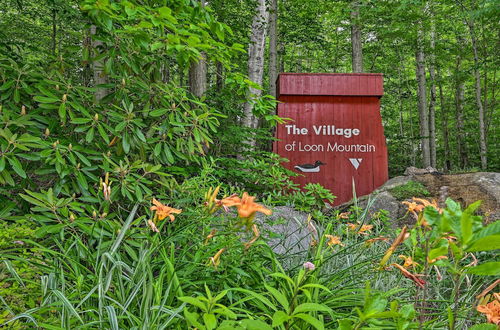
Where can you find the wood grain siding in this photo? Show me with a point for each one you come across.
(362, 84)
(349, 103)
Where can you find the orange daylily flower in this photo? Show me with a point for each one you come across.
(227, 202)
(333, 240)
(247, 207)
(363, 230)
(163, 211)
(418, 205)
(215, 260)
(408, 261)
(491, 309)
(414, 277)
(343, 215)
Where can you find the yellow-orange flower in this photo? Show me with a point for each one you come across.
(401, 237)
(491, 310)
(343, 215)
(210, 236)
(373, 240)
(163, 211)
(419, 204)
(362, 230)
(408, 261)
(333, 240)
(247, 207)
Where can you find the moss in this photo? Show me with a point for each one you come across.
(409, 190)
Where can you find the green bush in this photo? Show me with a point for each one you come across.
(409, 190)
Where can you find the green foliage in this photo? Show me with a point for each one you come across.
(409, 190)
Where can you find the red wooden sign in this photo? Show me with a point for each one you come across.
(336, 136)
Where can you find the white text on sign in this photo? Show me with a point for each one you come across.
(328, 130)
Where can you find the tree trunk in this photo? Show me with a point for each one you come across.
(98, 66)
(432, 102)
(479, 103)
(357, 47)
(198, 73)
(219, 80)
(459, 102)
(273, 36)
(198, 77)
(444, 127)
(422, 100)
(256, 62)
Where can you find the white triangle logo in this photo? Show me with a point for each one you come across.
(356, 162)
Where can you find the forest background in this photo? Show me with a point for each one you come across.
(439, 60)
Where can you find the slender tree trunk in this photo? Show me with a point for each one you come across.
(198, 73)
(432, 103)
(198, 77)
(357, 46)
(444, 123)
(219, 80)
(459, 102)
(256, 50)
(482, 129)
(98, 66)
(422, 99)
(273, 38)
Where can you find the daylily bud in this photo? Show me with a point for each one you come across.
(57, 87)
(174, 106)
(64, 98)
(123, 82)
(78, 166)
(54, 145)
(73, 196)
(109, 153)
(70, 147)
(100, 183)
(71, 217)
(47, 132)
(94, 214)
(96, 117)
(106, 178)
(103, 215)
(23, 110)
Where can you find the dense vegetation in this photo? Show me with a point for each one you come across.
(106, 106)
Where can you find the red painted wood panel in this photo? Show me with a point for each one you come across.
(354, 84)
(349, 157)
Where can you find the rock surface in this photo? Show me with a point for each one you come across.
(464, 188)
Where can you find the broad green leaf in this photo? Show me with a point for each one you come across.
(488, 268)
(311, 320)
(17, 167)
(279, 318)
(311, 307)
(280, 297)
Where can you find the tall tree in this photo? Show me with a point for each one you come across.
(198, 73)
(273, 54)
(477, 86)
(357, 44)
(256, 50)
(459, 111)
(422, 98)
(432, 101)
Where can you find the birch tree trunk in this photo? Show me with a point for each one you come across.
(256, 61)
(98, 66)
(357, 46)
(273, 54)
(482, 128)
(432, 102)
(422, 99)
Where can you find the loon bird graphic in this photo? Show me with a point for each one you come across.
(310, 168)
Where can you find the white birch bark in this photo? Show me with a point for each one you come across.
(422, 99)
